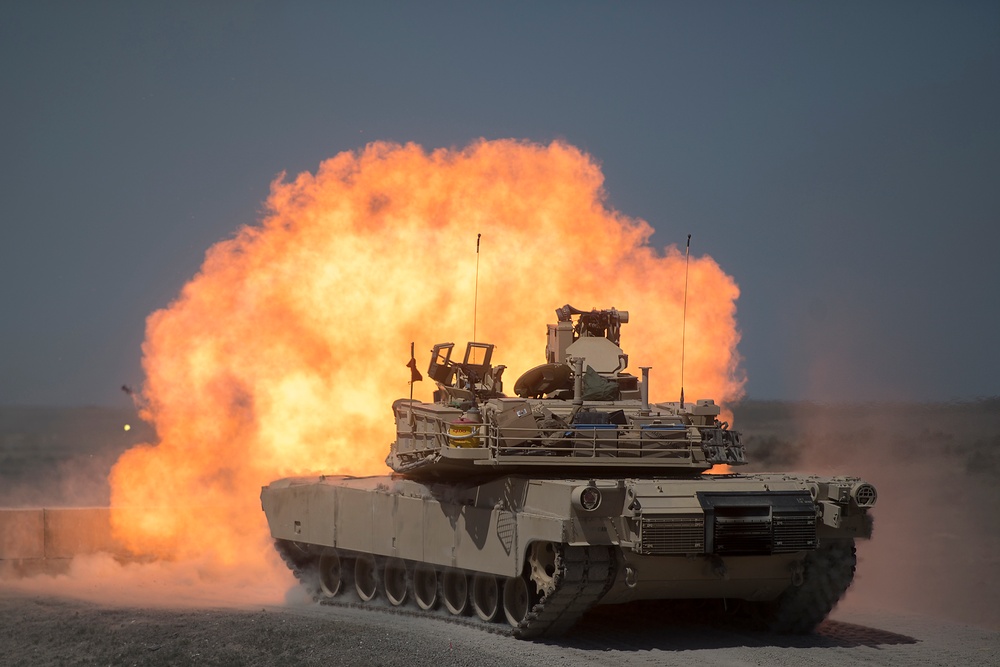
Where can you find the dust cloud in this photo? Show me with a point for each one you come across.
(191, 583)
(936, 545)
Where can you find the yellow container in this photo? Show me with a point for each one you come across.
(462, 433)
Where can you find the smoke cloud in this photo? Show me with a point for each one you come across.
(284, 354)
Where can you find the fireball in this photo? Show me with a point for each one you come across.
(283, 355)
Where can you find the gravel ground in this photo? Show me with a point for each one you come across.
(50, 630)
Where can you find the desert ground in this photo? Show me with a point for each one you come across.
(927, 589)
(44, 630)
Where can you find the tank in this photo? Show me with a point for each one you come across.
(575, 491)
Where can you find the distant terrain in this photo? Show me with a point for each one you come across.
(62, 456)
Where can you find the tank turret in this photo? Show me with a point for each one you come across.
(580, 413)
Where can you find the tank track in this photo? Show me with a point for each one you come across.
(828, 573)
(583, 575)
(496, 628)
(302, 565)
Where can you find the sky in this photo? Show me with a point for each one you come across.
(840, 160)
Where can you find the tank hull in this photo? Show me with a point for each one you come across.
(740, 537)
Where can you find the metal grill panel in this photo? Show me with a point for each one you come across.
(795, 532)
(742, 536)
(665, 535)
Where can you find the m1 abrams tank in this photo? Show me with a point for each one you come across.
(577, 491)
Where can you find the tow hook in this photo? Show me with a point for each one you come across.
(719, 568)
(798, 573)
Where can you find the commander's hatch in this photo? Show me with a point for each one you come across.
(474, 377)
(441, 370)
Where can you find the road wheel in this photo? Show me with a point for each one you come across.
(395, 581)
(455, 588)
(365, 577)
(425, 586)
(517, 600)
(486, 596)
(331, 575)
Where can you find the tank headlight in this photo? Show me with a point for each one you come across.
(587, 498)
(864, 494)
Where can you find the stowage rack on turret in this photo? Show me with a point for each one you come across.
(580, 412)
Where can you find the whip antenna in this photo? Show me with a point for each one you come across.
(475, 302)
(687, 261)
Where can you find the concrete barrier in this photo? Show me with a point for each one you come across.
(22, 534)
(34, 541)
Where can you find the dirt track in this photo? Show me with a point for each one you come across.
(44, 630)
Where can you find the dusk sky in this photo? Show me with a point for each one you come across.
(840, 160)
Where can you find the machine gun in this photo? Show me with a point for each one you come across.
(595, 323)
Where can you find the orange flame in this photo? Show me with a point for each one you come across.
(283, 355)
